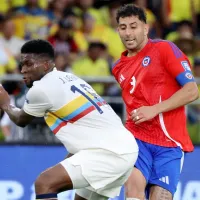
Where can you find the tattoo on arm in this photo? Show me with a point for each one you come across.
(158, 193)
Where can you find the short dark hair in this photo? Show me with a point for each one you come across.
(39, 47)
(129, 10)
(99, 45)
(185, 22)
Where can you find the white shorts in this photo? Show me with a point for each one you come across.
(98, 174)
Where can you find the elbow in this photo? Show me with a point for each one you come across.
(20, 123)
(194, 94)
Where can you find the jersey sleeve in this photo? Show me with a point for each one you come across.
(36, 102)
(176, 63)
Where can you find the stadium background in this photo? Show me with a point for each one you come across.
(83, 33)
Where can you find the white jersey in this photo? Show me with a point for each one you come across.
(77, 116)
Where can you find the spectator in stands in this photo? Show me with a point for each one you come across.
(151, 19)
(63, 41)
(56, 9)
(197, 67)
(92, 32)
(185, 39)
(85, 7)
(87, 33)
(193, 111)
(184, 29)
(63, 62)
(5, 6)
(32, 21)
(93, 65)
(8, 63)
(175, 11)
(8, 38)
(110, 35)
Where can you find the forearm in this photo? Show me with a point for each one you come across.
(14, 114)
(182, 97)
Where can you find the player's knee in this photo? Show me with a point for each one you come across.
(134, 192)
(43, 184)
(135, 185)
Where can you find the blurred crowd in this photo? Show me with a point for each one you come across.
(84, 35)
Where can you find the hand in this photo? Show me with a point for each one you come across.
(143, 114)
(4, 97)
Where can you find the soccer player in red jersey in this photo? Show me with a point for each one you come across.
(156, 82)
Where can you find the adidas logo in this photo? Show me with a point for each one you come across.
(121, 78)
(165, 179)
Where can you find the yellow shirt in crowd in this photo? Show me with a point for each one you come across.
(18, 3)
(103, 34)
(86, 67)
(7, 62)
(180, 10)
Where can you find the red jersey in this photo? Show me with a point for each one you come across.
(153, 75)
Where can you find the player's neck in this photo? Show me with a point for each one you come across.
(133, 52)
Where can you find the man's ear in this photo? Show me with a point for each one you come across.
(46, 66)
(146, 29)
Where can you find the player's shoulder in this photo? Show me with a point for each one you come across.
(166, 46)
(36, 93)
(38, 87)
(163, 43)
(116, 63)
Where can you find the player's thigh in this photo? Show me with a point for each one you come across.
(55, 177)
(167, 168)
(82, 194)
(135, 186)
(159, 193)
(75, 174)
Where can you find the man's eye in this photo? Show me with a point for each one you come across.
(29, 64)
(123, 28)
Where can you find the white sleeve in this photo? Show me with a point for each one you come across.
(36, 102)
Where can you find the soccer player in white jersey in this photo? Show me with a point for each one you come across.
(102, 151)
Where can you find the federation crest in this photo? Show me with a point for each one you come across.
(189, 76)
(146, 61)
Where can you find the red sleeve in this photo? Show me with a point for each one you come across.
(51, 40)
(176, 62)
(74, 46)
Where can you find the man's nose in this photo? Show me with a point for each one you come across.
(23, 69)
(128, 32)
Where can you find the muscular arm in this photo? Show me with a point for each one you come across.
(188, 93)
(18, 116)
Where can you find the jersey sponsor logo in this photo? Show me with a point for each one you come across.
(164, 179)
(189, 76)
(133, 83)
(146, 61)
(185, 65)
(121, 78)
